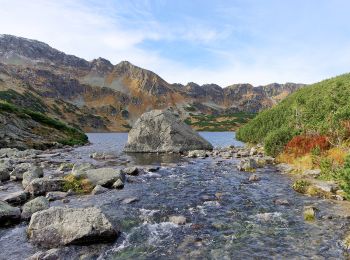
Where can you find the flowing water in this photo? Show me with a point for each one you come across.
(227, 216)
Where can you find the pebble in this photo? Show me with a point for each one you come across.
(253, 178)
(281, 202)
(178, 220)
(130, 200)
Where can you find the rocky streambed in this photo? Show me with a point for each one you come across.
(229, 203)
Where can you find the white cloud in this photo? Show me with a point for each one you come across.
(116, 32)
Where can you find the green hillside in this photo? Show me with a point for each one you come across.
(322, 108)
(24, 128)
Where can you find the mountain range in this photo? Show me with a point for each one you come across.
(98, 96)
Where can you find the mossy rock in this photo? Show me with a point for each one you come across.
(301, 186)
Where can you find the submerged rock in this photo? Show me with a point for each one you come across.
(253, 178)
(178, 220)
(118, 184)
(162, 131)
(35, 205)
(247, 165)
(102, 156)
(130, 200)
(8, 214)
(131, 170)
(16, 198)
(282, 202)
(59, 226)
(197, 154)
(98, 190)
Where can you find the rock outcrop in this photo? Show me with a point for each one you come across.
(59, 226)
(24, 129)
(163, 132)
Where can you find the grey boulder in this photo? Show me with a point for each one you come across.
(35, 205)
(5, 170)
(99, 190)
(79, 169)
(41, 186)
(16, 198)
(118, 184)
(8, 214)
(247, 165)
(31, 174)
(197, 154)
(59, 226)
(56, 195)
(161, 131)
(19, 170)
(102, 176)
(133, 170)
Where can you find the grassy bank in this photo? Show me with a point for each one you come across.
(309, 129)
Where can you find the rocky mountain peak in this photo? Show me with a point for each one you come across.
(23, 51)
(101, 65)
(146, 80)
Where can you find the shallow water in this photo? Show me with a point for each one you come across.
(227, 216)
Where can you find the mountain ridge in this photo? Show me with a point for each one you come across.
(120, 93)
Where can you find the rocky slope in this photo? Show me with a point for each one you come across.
(24, 129)
(99, 96)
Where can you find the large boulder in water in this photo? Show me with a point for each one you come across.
(161, 131)
(59, 226)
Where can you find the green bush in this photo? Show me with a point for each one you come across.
(344, 177)
(319, 108)
(276, 141)
(77, 184)
(301, 186)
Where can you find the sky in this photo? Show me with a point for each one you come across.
(202, 41)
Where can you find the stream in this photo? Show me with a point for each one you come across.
(227, 217)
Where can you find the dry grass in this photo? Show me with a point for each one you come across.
(300, 164)
(337, 155)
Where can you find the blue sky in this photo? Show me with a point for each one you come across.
(223, 42)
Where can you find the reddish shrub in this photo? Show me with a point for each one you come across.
(303, 144)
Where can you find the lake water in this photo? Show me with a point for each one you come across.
(113, 143)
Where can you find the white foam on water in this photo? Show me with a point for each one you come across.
(159, 231)
(270, 217)
(147, 214)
